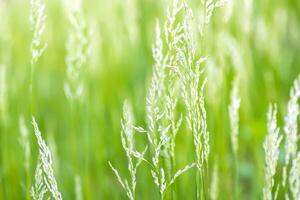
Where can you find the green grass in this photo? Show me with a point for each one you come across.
(86, 134)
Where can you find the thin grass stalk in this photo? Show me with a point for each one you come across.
(161, 104)
(134, 158)
(190, 71)
(271, 146)
(45, 183)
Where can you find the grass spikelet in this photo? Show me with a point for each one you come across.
(190, 73)
(208, 7)
(181, 171)
(173, 36)
(161, 103)
(37, 20)
(78, 51)
(45, 181)
(291, 124)
(155, 112)
(291, 128)
(271, 147)
(127, 140)
(153, 107)
(39, 189)
(38, 24)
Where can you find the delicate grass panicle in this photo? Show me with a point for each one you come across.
(153, 107)
(45, 183)
(162, 95)
(78, 51)
(38, 24)
(291, 123)
(210, 5)
(233, 109)
(172, 35)
(271, 147)
(190, 72)
(207, 9)
(161, 102)
(134, 158)
(291, 128)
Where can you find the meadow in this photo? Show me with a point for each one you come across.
(145, 99)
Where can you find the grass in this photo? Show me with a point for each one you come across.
(185, 111)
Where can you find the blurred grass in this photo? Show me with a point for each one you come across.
(261, 47)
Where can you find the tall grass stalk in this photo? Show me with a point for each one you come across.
(161, 104)
(172, 32)
(45, 184)
(134, 158)
(157, 133)
(271, 147)
(291, 130)
(190, 72)
(207, 8)
(38, 24)
(291, 123)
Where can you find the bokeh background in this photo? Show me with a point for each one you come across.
(257, 40)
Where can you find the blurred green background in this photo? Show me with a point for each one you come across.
(259, 42)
